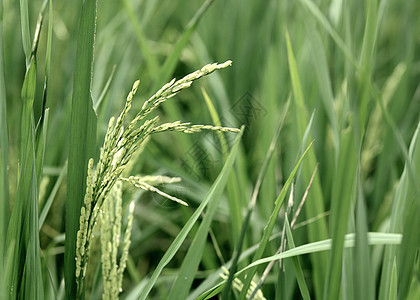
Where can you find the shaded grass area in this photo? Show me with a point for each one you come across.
(344, 74)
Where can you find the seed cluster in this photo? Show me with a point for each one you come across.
(103, 184)
(112, 271)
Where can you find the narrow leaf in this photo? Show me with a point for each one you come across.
(342, 196)
(4, 156)
(19, 228)
(362, 271)
(151, 61)
(405, 200)
(252, 204)
(268, 229)
(48, 203)
(82, 138)
(24, 23)
(317, 14)
(191, 261)
(214, 192)
(172, 59)
(393, 287)
(374, 238)
(296, 264)
(317, 230)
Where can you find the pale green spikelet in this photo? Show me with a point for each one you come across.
(173, 87)
(111, 221)
(82, 234)
(107, 219)
(154, 180)
(136, 181)
(188, 128)
(126, 245)
(136, 152)
(118, 126)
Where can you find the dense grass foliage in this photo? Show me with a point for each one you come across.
(317, 197)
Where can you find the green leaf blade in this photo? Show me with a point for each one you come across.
(82, 138)
(268, 229)
(405, 199)
(318, 230)
(19, 230)
(4, 155)
(214, 192)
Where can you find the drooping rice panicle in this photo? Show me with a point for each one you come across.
(119, 145)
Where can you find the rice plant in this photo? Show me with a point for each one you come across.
(115, 196)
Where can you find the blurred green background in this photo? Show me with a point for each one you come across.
(351, 55)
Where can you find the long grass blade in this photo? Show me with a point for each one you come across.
(33, 284)
(296, 264)
(151, 61)
(318, 15)
(233, 190)
(362, 271)
(40, 147)
(251, 206)
(366, 65)
(46, 208)
(24, 23)
(190, 263)
(342, 196)
(47, 68)
(216, 121)
(82, 138)
(404, 200)
(410, 246)
(171, 61)
(7, 271)
(411, 222)
(18, 230)
(319, 61)
(374, 238)
(4, 156)
(214, 192)
(393, 288)
(212, 279)
(318, 230)
(25, 280)
(104, 90)
(268, 229)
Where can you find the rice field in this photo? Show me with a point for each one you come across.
(209, 149)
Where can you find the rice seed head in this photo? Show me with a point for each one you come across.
(103, 186)
(111, 220)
